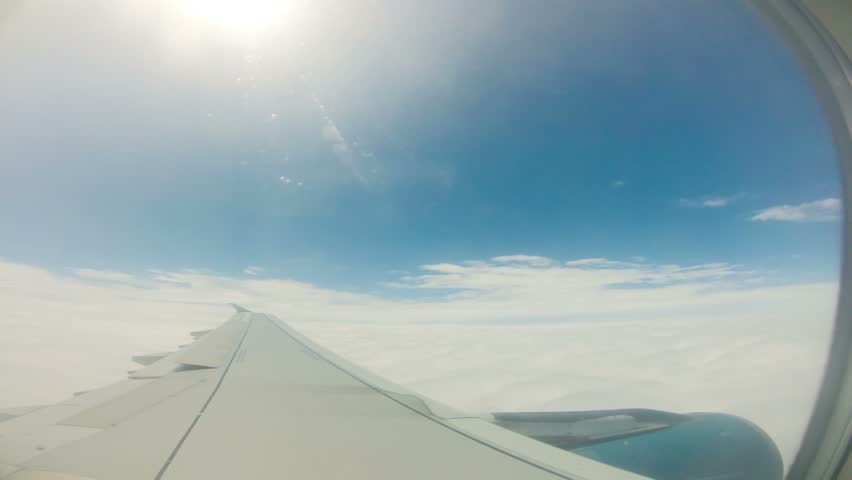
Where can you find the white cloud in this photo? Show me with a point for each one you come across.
(332, 134)
(341, 149)
(825, 210)
(104, 275)
(709, 202)
(715, 202)
(518, 332)
(592, 261)
(533, 260)
(617, 183)
(253, 270)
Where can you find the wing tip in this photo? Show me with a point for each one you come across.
(240, 309)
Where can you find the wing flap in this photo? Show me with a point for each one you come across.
(114, 411)
(127, 430)
(10, 413)
(43, 475)
(134, 449)
(214, 349)
(19, 449)
(149, 358)
(209, 351)
(6, 470)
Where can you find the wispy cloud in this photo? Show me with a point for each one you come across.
(716, 202)
(104, 275)
(331, 134)
(709, 202)
(533, 260)
(617, 183)
(596, 262)
(826, 210)
(682, 337)
(253, 270)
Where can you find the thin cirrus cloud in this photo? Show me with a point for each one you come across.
(709, 202)
(548, 334)
(825, 210)
(253, 270)
(104, 275)
(595, 262)
(533, 260)
(331, 134)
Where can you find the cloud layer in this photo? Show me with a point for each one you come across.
(516, 332)
(826, 210)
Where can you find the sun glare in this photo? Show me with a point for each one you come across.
(238, 16)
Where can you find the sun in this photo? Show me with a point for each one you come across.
(237, 16)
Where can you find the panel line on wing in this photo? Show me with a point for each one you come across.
(206, 403)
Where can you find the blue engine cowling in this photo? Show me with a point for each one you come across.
(656, 444)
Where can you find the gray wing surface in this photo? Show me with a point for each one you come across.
(255, 399)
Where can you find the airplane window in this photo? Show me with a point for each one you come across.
(613, 227)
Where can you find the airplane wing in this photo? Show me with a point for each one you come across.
(255, 399)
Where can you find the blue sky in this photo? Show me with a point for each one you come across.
(364, 143)
(637, 198)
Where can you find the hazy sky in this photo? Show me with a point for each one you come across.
(653, 184)
(355, 140)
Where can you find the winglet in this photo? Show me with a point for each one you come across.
(240, 309)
